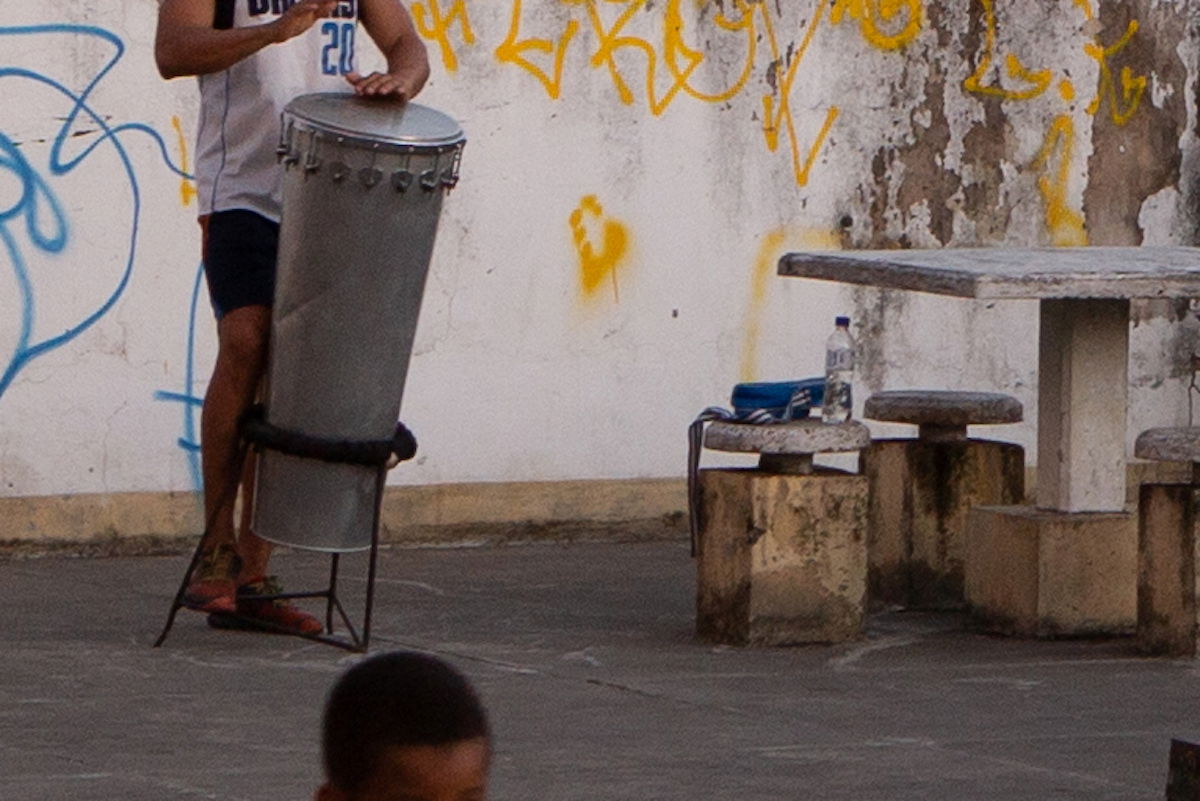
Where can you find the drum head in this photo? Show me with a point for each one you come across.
(375, 120)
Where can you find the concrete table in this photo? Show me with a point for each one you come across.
(1084, 294)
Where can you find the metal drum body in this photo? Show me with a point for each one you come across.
(362, 192)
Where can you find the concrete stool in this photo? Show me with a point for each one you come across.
(922, 489)
(1166, 581)
(782, 549)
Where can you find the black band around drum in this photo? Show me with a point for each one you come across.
(368, 453)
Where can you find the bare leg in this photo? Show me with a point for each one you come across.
(273, 614)
(255, 551)
(241, 360)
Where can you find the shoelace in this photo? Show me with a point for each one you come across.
(267, 586)
(222, 561)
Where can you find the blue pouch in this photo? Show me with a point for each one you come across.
(783, 400)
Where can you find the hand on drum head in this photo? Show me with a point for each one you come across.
(302, 16)
(382, 85)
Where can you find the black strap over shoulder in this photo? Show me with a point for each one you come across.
(223, 15)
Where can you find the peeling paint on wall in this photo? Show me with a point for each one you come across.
(1135, 144)
(886, 24)
(650, 160)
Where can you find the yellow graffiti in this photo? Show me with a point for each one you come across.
(513, 49)
(681, 62)
(773, 117)
(187, 188)
(1066, 90)
(1055, 159)
(612, 38)
(774, 244)
(588, 221)
(1066, 226)
(1132, 88)
(1123, 105)
(886, 24)
(678, 61)
(1038, 80)
(676, 48)
(681, 59)
(434, 24)
(610, 41)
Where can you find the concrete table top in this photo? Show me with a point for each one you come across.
(1083, 338)
(1089, 272)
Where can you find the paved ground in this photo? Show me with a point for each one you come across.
(598, 690)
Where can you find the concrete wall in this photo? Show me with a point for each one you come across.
(606, 267)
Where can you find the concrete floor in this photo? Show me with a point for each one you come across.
(597, 688)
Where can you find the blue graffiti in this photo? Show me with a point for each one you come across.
(38, 212)
(189, 442)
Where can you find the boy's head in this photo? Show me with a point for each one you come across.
(404, 727)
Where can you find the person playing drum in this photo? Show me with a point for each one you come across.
(251, 58)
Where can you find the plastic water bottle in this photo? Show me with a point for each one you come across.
(839, 370)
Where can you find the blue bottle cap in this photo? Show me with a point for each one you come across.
(842, 321)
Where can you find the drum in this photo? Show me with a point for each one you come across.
(363, 184)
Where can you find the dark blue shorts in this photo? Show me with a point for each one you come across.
(240, 250)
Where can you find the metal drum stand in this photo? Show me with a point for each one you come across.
(381, 455)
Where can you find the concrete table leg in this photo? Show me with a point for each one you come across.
(1083, 394)
(1042, 573)
(1070, 566)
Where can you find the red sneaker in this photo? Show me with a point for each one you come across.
(213, 586)
(266, 614)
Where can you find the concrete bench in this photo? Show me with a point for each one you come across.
(782, 548)
(1166, 579)
(922, 489)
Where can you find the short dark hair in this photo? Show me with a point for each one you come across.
(395, 699)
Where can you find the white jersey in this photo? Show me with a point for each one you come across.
(240, 107)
